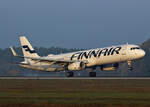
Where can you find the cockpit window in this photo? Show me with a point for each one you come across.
(133, 48)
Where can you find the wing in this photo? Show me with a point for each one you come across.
(61, 61)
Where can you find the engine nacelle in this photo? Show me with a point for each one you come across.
(110, 68)
(76, 66)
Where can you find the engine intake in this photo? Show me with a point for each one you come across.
(76, 66)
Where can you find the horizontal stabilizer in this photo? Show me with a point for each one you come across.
(13, 51)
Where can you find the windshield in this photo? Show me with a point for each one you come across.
(133, 48)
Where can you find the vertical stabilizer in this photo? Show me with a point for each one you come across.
(27, 49)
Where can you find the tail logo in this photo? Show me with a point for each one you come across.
(28, 49)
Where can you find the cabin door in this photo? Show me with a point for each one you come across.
(124, 49)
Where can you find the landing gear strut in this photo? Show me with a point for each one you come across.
(69, 74)
(130, 66)
(92, 74)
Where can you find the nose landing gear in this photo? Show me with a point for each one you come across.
(130, 65)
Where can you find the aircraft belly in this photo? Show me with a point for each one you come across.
(114, 59)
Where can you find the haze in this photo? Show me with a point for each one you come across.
(74, 23)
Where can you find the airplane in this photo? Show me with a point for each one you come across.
(107, 58)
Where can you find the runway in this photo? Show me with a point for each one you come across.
(78, 78)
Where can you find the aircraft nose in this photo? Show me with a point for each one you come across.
(142, 53)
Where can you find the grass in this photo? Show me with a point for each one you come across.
(74, 93)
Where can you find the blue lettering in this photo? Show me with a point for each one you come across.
(85, 55)
(93, 53)
(74, 56)
(103, 51)
(109, 51)
(117, 49)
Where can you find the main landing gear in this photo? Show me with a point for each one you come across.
(92, 74)
(71, 74)
(130, 66)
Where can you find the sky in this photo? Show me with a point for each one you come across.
(74, 23)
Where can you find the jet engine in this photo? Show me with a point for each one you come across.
(76, 66)
(111, 67)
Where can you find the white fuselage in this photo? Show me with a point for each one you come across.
(106, 55)
(96, 57)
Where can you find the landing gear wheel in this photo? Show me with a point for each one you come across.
(130, 66)
(69, 74)
(92, 74)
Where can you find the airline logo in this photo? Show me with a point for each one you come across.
(28, 49)
(96, 53)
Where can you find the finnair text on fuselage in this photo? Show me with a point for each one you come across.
(95, 53)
